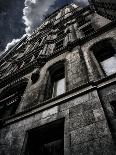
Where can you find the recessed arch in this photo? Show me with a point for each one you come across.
(56, 80)
(105, 53)
(56, 66)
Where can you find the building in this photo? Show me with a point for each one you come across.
(106, 8)
(58, 87)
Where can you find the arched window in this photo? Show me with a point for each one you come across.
(105, 54)
(10, 98)
(56, 81)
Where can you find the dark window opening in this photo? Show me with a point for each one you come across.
(9, 106)
(60, 33)
(56, 81)
(59, 44)
(88, 30)
(106, 56)
(104, 51)
(39, 40)
(46, 140)
(10, 98)
(35, 76)
(61, 27)
(82, 20)
(113, 106)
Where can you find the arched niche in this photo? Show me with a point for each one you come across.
(104, 53)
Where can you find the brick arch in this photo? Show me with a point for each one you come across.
(103, 53)
(101, 43)
(52, 62)
(56, 65)
(44, 74)
(56, 72)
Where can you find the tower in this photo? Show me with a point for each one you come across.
(57, 87)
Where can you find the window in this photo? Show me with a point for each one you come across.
(59, 44)
(81, 21)
(10, 98)
(39, 41)
(106, 56)
(35, 76)
(60, 38)
(46, 140)
(56, 81)
(113, 106)
(88, 30)
(9, 105)
(60, 33)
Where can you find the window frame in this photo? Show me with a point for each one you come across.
(97, 49)
(59, 44)
(56, 124)
(55, 85)
(88, 29)
(113, 106)
(51, 79)
(11, 97)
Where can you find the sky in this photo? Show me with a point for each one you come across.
(20, 17)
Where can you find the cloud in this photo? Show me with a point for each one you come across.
(13, 42)
(81, 2)
(34, 12)
(33, 15)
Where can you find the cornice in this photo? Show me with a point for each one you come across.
(49, 16)
(81, 41)
(75, 14)
(15, 82)
(10, 52)
(9, 100)
(43, 32)
(50, 103)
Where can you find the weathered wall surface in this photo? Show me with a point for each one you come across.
(80, 67)
(94, 69)
(89, 119)
(85, 130)
(75, 74)
(108, 95)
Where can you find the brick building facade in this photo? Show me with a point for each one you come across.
(58, 87)
(106, 8)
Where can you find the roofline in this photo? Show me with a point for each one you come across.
(11, 49)
(57, 10)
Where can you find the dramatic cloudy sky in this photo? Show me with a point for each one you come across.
(19, 17)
